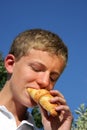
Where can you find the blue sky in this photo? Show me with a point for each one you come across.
(66, 18)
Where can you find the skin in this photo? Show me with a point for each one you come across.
(38, 69)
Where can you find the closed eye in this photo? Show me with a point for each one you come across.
(54, 77)
(37, 67)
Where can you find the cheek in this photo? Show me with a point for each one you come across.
(22, 76)
(25, 75)
(18, 76)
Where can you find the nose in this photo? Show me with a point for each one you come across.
(43, 80)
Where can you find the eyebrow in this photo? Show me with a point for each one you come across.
(53, 72)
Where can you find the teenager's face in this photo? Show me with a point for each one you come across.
(38, 70)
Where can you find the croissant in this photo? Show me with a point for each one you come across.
(42, 97)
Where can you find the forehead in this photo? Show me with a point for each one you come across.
(49, 60)
(42, 55)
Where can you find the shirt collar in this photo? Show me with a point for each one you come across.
(28, 123)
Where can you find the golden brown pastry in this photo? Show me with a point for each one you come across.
(42, 97)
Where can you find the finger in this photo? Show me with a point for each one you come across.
(62, 108)
(56, 93)
(65, 112)
(58, 100)
(44, 113)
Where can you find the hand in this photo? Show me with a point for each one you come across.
(64, 119)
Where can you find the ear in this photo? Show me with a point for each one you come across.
(9, 63)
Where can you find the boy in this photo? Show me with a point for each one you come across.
(36, 59)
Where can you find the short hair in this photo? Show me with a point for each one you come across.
(38, 39)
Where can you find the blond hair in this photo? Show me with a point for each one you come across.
(38, 39)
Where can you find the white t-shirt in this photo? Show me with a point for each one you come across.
(7, 121)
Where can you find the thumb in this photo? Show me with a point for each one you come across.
(44, 113)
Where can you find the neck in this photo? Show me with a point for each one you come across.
(6, 99)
